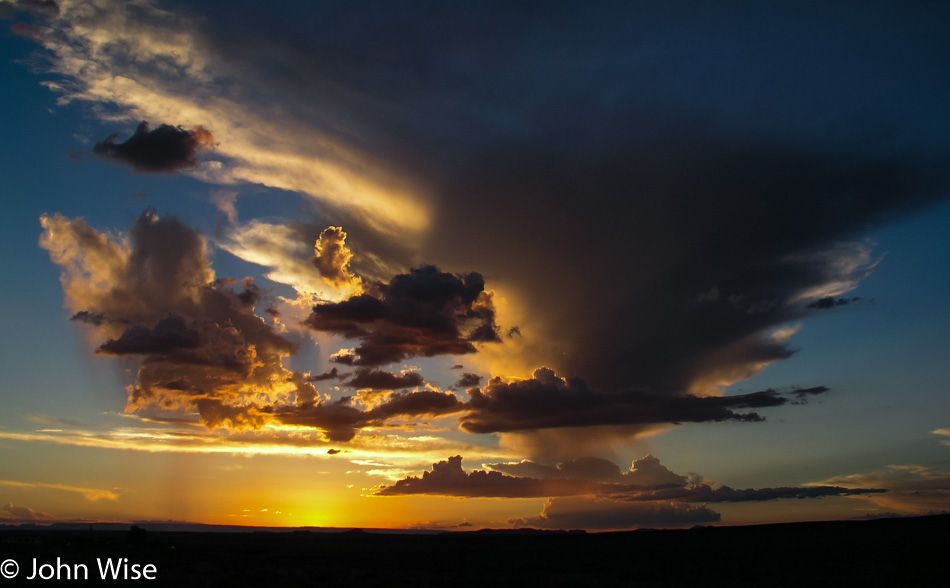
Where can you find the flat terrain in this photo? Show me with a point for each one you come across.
(886, 552)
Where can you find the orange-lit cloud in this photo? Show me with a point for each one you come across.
(91, 494)
(153, 296)
(332, 259)
(12, 513)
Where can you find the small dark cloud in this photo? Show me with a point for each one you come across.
(333, 374)
(22, 29)
(163, 149)
(805, 392)
(423, 313)
(514, 332)
(468, 380)
(383, 380)
(333, 451)
(457, 366)
(831, 302)
(92, 318)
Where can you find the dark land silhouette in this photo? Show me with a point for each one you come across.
(881, 552)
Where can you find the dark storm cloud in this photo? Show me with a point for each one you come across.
(383, 380)
(547, 401)
(663, 225)
(420, 314)
(663, 189)
(163, 149)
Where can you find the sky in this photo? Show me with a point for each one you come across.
(449, 266)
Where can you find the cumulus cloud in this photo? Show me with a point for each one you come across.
(549, 401)
(201, 346)
(332, 259)
(298, 254)
(647, 481)
(447, 478)
(153, 296)
(163, 149)
(646, 472)
(420, 314)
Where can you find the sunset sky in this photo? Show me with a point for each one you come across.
(463, 265)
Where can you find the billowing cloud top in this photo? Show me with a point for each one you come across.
(423, 313)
